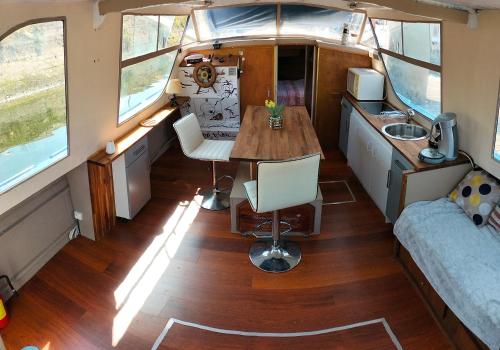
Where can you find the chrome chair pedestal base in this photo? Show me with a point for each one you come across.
(271, 257)
(213, 199)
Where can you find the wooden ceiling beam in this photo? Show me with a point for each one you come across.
(426, 10)
(108, 6)
(407, 6)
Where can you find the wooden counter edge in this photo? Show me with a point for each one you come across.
(100, 157)
(414, 161)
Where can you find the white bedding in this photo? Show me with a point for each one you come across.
(461, 262)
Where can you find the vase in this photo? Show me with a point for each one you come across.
(275, 122)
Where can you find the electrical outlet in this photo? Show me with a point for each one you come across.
(78, 215)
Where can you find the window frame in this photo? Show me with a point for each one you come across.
(278, 21)
(14, 29)
(278, 35)
(142, 58)
(410, 60)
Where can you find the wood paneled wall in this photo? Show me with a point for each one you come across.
(257, 80)
(331, 81)
(103, 198)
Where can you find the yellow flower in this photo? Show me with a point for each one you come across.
(270, 104)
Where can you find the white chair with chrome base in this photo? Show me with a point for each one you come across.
(281, 185)
(195, 146)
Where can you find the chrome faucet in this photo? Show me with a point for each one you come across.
(410, 113)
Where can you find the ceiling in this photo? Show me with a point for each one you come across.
(466, 4)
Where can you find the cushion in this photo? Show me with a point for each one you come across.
(477, 194)
(495, 218)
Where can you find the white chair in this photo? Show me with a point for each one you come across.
(195, 146)
(281, 185)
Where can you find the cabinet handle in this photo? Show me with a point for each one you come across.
(389, 178)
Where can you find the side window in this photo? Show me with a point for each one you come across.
(149, 49)
(33, 111)
(412, 57)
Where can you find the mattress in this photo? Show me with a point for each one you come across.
(461, 261)
(291, 92)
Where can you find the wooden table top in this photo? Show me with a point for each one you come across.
(256, 141)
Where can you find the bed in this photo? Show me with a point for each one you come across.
(461, 261)
(291, 92)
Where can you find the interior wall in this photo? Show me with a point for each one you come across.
(471, 73)
(93, 75)
(33, 232)
(331, 83)
(257, 79)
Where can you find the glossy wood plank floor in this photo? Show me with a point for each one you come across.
(174, 260)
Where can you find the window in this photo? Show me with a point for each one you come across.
(149, 50)
(33, 111)
(189, 34)
(228, 22)
(411, 53)
(318, 22)
(367, 38)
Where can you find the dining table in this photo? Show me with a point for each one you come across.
(256, 142)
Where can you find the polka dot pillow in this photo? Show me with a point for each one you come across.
(477, 195)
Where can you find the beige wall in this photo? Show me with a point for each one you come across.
(92, 85)
(471, 73)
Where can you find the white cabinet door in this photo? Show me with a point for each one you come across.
(366, 144)
(369, 156)
(381, 164)
(353, 145)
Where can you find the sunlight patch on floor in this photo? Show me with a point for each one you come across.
(140, 282)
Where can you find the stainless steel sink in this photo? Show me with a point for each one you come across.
(405, 132)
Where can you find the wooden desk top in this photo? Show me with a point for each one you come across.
(256, 141)
(129, 139)
(409, 149)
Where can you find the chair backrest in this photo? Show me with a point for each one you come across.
(189, 132)
(285, 184)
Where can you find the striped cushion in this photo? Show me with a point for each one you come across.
(495, 218)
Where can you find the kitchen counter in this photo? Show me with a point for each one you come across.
(409, 149)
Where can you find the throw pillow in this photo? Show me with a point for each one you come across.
(477, 194)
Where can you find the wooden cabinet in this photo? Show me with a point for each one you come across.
(100, 166)
(331, 83)
(369, 155)
(459, 335)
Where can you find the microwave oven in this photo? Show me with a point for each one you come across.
(365, 84)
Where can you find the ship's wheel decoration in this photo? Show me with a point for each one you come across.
(204, 75)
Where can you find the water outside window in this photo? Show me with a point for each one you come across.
(33, 121)
(143, 83)
(417, 87)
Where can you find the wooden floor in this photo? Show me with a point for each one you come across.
(120, 292)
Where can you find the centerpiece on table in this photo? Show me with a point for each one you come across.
(275, 114)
